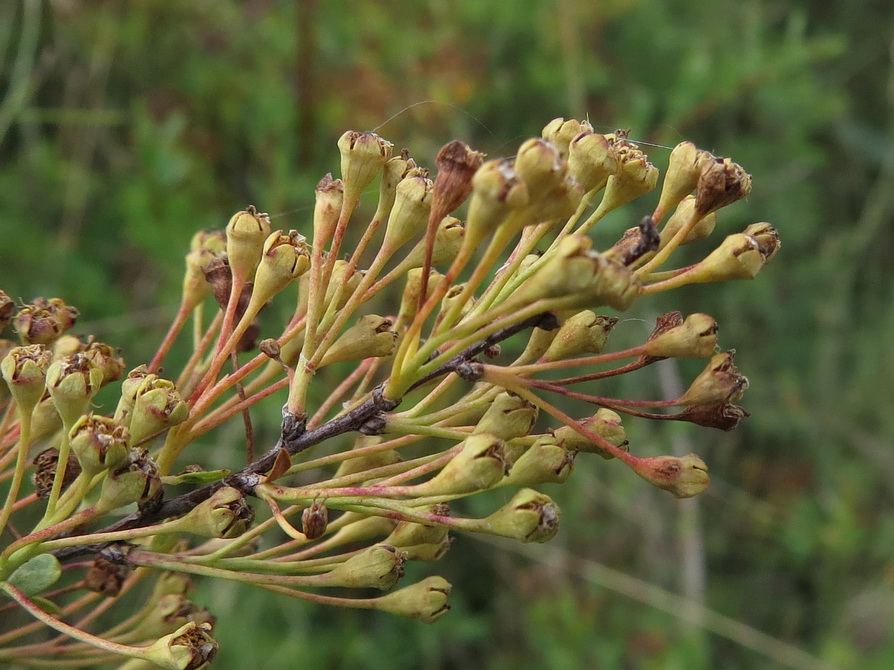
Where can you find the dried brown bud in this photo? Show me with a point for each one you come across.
(719, 382)
(457, 164)
(106, 577)
(314, 520)
(45, 464)
(43, 321)
(721, 182)
(724, 416)
(7, 309)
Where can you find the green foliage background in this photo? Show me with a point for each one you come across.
(127, 126)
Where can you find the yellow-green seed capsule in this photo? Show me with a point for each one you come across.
(195, 287)
(546, 461)
(284, 259)
(157, 406)
(394, 170)
(343, 275)
(582, 333)
(226, 514)
(425, 600)
(684, 477)
(25, 370)
(330, 195)
(105, 358)
(72, 381)
(681, 217)
(362, 156)
(99, 443)
(479, 465)
(719, 382)
(497, 190)
(696, 337)
(377, 567)
(683, 172)
(409, 215)
(409, 300)
(605, 423)
(560, 132)
(367, 461)
(507, 417)
(592, 159)
(635, 177)
(134, 482)
(529, 517)
(739, 256)
(371, 337)
(246, 233)
(448, 240)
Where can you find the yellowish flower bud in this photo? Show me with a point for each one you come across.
(246, 233)
(508, 416)
(540, 166)
(497, 190)
(451, 297)
(99, 443)
(409, 215)
(696, 337)
(425, 600)
(432, 551)
(285, 258)
(684, 477)
(719, 382)
(721, 182)
(195, 287)
(129, 388)
(377, 567)
(448, 240)
(409, 533)
(370, 337)
(72, 382)
(583, 333)
(480, 464)
(528, 517)
(214, 241)
(546, 461)
(327, 208)
(45, 420)
(592, 159)
(67, 345)
(25, 370)
(362, 156)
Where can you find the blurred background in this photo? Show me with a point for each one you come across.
(127, 126)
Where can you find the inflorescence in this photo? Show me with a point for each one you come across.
(426, 409)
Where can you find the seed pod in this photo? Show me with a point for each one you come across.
(343, 275)
(546, 461)
(285, 257)
(246, 233)
(635, 177)
(7, 309)
(377, 567)
(583, 333)
(25, 370)
(43, 321)
(684, 477)
(99, 443)
(592, 159)
(370, 337)
(225, 514)
(480, 464)
(314, 520)
(720, 183)
(45, 464)
(683, 172)
(497, 190)
(696, 337)
(409, 215)
(362, 156)
(605, 423)
(681, 217)
(327, 208)
(157, 406)
(508, 416)
(190, 646)
(72, 381)
(137, 481)
(560, 132)
(448, 240)
(425, 600)
(529, 517)
(719, 382)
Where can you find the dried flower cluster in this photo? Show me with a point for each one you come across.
(428, 410)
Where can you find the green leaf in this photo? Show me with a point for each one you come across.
(36, 575)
